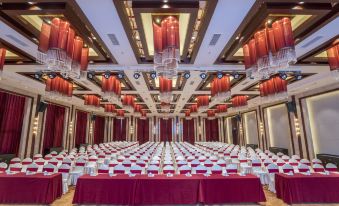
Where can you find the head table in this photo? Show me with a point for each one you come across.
(300, 188)
(30, 189)
(160, 189)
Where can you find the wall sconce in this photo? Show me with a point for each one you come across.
(35, 125)
(297, 126)
(91, 129)
(261, 128)
(70, 127)
(240, 129)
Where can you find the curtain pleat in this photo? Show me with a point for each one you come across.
(211, 130)
(99, 130)
(119, 129)
(166, 130)
(80, 130)
(188, 131)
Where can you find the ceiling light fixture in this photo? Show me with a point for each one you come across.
(38, 75)
(136, 75)
(153, 75)
(235, 75)
(283, 75)
(301, 2)
(107, 74)
(52, 75)
(203, 75)
(187, 75)
(120, 75)
(298, 75)
(219, 75)
(90, 74)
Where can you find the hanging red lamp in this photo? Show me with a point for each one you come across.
(110, 108)
(203, 102)
(239, 101)
(138, 108)
(166, 46)
(210, 114)
(220, 88)
(194, 109)
(60, 50)
(165, 87)
(120, 114)
(128, 102)
(221, 108)
(92, 100)
(111, 88)
(2, 60)
(274, 88)
(58, 88)
(271, 50)
(333, 58)
(143, 115)
(188, 115)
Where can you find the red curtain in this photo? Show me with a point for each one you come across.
(211, 130)
(11, 120)
(166, 130)
(99, 130)
(119, 129)
(142, 130)
(54, 127)
(80, 130)
(188, 131)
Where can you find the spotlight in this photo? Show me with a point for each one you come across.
(219, 75)
(38, 75)
(51, 75)
(235, 75)
(283, 75)
(298, 76)
(107, 74)
(153, 75)
(90, 74)
(203, 75)
(136, 75)
(187, 75)
(120, 75)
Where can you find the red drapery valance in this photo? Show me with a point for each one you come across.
(54, 127)
(119, 129)
(80, 130)
(142, 130)
(99, 130)
(188, 131)
(11, 120)
(211, 130)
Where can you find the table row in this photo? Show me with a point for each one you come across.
(160, 189)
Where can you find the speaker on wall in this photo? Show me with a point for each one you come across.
(238, 117)
(42, 106)
(291, 106)
(93, 116)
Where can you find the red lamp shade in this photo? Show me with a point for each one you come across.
(221, 108)
(194, 108)
(239, 101)
(274, 86)
(59, 87)
(220, 88)
(128, 102)
(138, 108)
(92, 100)
(2, 59)
(120, 114)
(203, 102)
(110, 108)
(333, 57)
(210, 114)
(165, 87)
(111, 88)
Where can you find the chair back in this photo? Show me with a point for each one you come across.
(216, 169)
(64, 168)
(27, 161)
(318, 168)
(15, 160)
(200, 169)
(287, 168)
(103, 169)
(331, 167)
(33, 167)
(17, 167)
(154, 169)
(3, 166)
(185, 169)
(168, 169)
(119, 169)
(273, 168)
(232, 168)
(49, 168)
(303, 168)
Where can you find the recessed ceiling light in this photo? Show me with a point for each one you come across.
(51, 75)
(31, 3)
(136, 75)
(219, 75)
(301, 2)
(153, 75)
(107, 74)
(90, 74)
(203, 75)
(120, 75)
(187, 75)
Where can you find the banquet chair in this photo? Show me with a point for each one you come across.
(216, 169)
(136, 169)
(37, 156)
(272, 169)
(268, 162)
(275, 158)
(202, 158)
(195, 163)
(77, 171)
(190, 158)
(303, 168)
(181, 163)
(133, 158)
(208, 163)
(287, 168)
(200, 169)
(316, 161)
(155, 162)
(331, 167)
(65, 169)
(103, 169)
(168, 162)
(33, 167)
(48, 157)
(119, 169)
(127, 163)
(121, 158)
(15, 160)
(113, 163)
(184, 169)
(53, 161)
(232, 168)
(154, 169)
(305, 161)
(280, 162)
(280, 154)
(318, 168)
(141, 163)
(256, 166)
(67, 161)
(17, 167)
(168, 169)
(221, 162)
(213, 158)
(296, 157)
(54, 153)
(49, 168)
(59, 157)
(3, 167)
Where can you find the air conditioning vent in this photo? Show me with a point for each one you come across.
(16, 40)
(113, 39)
(312, 41)
(214, 39)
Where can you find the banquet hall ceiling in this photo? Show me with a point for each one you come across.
(120, 37)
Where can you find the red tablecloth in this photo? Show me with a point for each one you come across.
(30, 189)
(300, 188)
(141, 189)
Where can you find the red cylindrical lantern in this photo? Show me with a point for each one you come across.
(333, 57)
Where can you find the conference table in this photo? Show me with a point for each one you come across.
(36, 188)
(314, 188)
(160, 189)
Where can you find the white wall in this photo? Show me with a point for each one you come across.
(251, 128)
(323, 119)
(278, 127)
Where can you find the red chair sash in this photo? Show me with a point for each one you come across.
(280, 164)
(168, 171)
(319, 169)
(242, 161)
(222, 165)
(256, 164)
(112, 165)
(127, 164)
(102, 171)
(216, 171)
(135, 171)
(15, 169)
(26, 163)
(35, 158)
(80, 164)
(141, 164)
(288, 170)
(54, 163)
(331, 169)
(273, 170)
(92, 160)
(208, 165)
(54, 155)
(40, 163)
(32, 169)
(231, 170)
(101, 156)
(119, 171)
(63, 170)
(266, 164)
(2, 169)
(48, 158)
(184, 171)
(153, 171)
(201, 160)
(60, 158)
(303, 170)
(194, 165)
(201, 171)
(214, 160)
(67, 163)
(48, 169)
(120, 160)
(294, 164)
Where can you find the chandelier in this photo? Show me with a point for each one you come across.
(111, 88)
(92, 101)
(221, 88)
(202, 102)
(2, 60)
(120, 114)
(333, 58)
(188, 115)
(58, 88)
(270, 51)
(110, 108)
(239, 102)
(165, 86)
(273, 89)
(128, 102)
(60, 50)
(221, 109)
(210, 114)
(166, 46)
